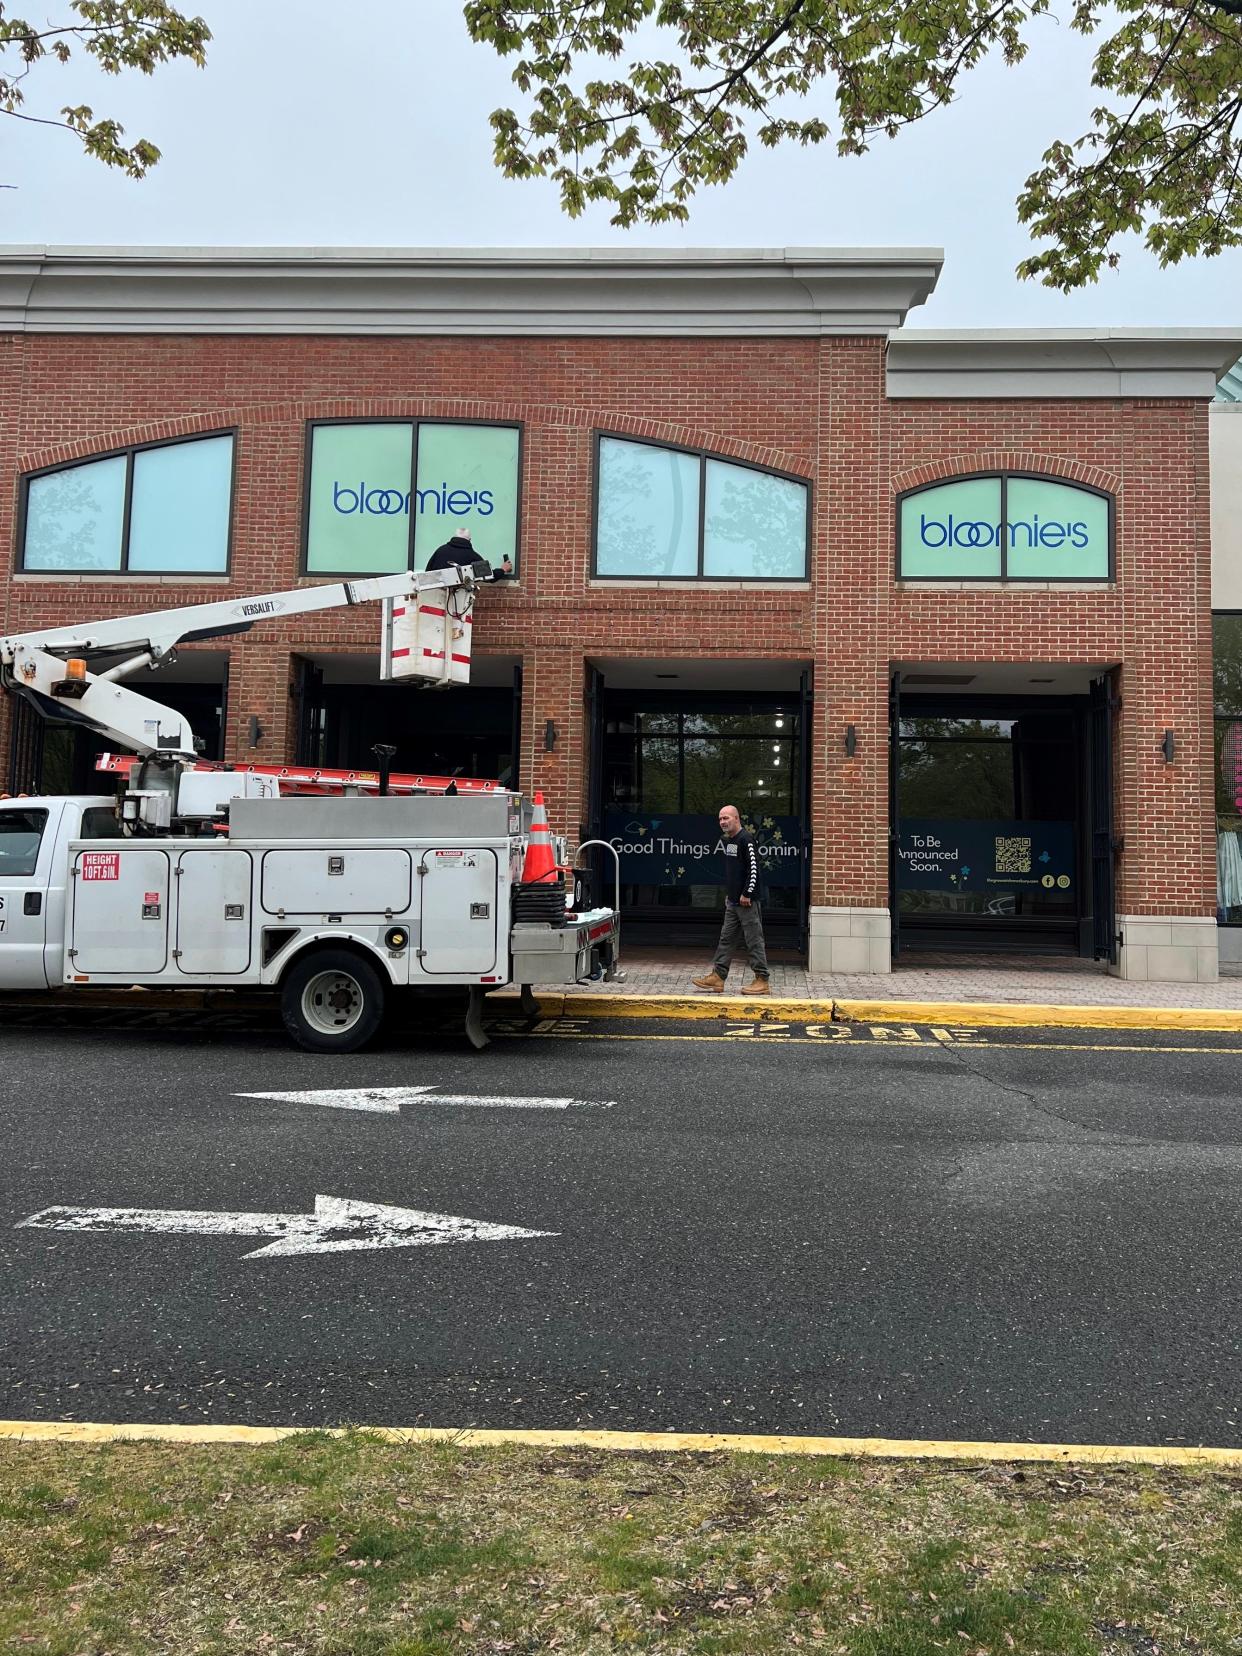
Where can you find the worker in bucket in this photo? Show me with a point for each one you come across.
(458, 551)
(743, 918)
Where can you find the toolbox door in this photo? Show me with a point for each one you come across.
(459, 892)
(120, 911)
(213, 912)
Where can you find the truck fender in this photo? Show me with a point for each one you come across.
(337, 939)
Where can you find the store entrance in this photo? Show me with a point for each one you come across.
(662, 765)
(992, 815)
(472, 730)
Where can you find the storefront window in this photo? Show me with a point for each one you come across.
(668, 513)
(988, 817)
(74, 518)
(1005, 526)
(362, 478)
(1227, 686)
(666, 776)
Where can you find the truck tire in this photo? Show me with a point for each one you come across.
(332, 1000)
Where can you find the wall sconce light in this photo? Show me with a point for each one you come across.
(256, 730)
(549, 737)
(1168, 747)
(851, 741)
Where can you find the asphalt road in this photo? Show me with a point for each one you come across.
(1026, 1236)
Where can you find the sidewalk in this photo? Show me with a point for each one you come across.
(1024, 979)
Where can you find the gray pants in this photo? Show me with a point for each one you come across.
(749, 923)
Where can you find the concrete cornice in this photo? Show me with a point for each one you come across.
(1060, 362)
(524, 291)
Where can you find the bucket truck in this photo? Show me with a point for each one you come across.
(194, 876)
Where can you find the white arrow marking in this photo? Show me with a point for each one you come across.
(338, 1225)
(389, 1100)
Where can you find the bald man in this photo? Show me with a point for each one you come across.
(742, 917)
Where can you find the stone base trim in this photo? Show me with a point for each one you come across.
(1175, 948)
(850, 940)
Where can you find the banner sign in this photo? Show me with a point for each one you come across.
(993, 857)
(688, 849)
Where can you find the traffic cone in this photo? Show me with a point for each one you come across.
(540, 867)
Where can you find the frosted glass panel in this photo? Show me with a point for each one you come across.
(359, 499)
(954, 530)
(74, 517)
(467, 479)
(179, 517)
(1056, 532)
(755, 525)
(648, 510)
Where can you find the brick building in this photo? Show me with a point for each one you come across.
(934, 609)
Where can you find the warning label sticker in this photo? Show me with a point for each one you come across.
(101, 865)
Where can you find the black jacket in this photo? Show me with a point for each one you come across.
(741, 867)
(457, 551)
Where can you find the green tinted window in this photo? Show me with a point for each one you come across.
(467, 478)
(1005, 527)
(1055, 532)
(953, 531)
(359, 511)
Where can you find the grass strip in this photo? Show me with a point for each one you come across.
(353, 1546)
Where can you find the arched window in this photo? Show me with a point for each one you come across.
(684, 514)
(1005, 526)
(159, 509)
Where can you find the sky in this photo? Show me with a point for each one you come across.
(304, 132)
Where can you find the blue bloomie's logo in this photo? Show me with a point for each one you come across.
(951, 531)
(366, 500)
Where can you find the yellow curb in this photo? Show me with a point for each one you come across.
(686, 1007)
(695, 1443)
(1001, 1014)
(972, 1014)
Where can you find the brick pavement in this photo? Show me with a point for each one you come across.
(1042, 980)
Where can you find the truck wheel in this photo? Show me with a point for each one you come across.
(332, 1000)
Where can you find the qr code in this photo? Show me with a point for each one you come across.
(1013, 856)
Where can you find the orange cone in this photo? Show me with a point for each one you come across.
(540, 867)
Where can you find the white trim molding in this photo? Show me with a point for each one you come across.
(1060, 362)
(788, 291)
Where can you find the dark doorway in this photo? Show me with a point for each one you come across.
(991, 827)
(662, 765)
(468, 731)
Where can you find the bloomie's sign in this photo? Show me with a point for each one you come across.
(368, 481)
(1007, 527)
(687, 849)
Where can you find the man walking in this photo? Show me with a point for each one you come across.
(742, 911)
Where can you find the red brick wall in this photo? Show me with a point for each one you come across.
(814, 407)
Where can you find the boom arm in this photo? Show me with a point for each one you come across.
(34, 663)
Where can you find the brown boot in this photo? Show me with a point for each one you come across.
(712, 981)
(759, 986)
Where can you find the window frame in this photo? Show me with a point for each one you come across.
(127, 453)
(703, 455)
(1003, 475)
(12, 808)
(415, 422)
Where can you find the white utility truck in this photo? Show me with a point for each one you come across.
(191, 876)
